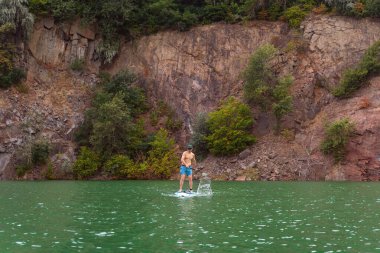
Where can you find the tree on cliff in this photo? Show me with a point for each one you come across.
(114, 132)
(15, 20)
(16, 13)
(262, 87)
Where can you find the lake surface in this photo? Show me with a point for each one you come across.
(144, 216)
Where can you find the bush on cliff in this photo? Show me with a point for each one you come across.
(125, 83)
(162, 159)
(39, 7)
(87, 164)
(9, 74)
(40, 152)
(111, 126)
(263, 87)
(119, 166)
(258, 76)
(337, 135)
(353, 79)
(357, 8)
(294, 15)
(114, 131)
(34, 152)
(283, 99)
(229, 128)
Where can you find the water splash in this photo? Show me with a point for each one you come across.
(204, 187)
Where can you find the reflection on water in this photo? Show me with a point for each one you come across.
(143, 216)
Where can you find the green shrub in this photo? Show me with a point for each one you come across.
(162, 158)
(87, 164)
(23, 160)
(124, 83)
(64, 9)
(262, 87)
(39, 7)
(283, 99)
(13, 77)
(187, 21)
(258, 77)
(110, 125)
(9, 75)
(49, 172)
(371, 59)
(372, 8)
(336, 138)
(353, 79)
(21, 169)
(294, 15)
(40, 152)
(229, 128)
(172, 124)
(274, 11)
(214, 13)
(357, 8)
(77, 65)
(119, 166)
(154, 117)
(114, 132)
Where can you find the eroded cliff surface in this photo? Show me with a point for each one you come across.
(193, 72)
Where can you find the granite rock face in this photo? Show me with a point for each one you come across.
(193, 72)
(57, 45)
(54, 99)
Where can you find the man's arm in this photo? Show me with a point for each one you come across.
(183, 159)
(194, 161)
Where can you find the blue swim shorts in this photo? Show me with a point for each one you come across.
(185, 170)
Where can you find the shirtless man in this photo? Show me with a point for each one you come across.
(186, 169)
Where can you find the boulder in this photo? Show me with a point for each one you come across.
(244, 154)
(241, 178)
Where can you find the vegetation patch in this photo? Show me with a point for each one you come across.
(354, 78)
(113, 131)
(77, 65)
(162, 159)
(229, 128)
(87, 164)
(263, 88)
(35, 152)
(40, 152)
(134, 18)
(162, 111)
(119, 165)
(337, 135)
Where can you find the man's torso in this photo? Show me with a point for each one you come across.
(188, 156)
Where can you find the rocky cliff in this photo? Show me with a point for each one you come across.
(193, 72)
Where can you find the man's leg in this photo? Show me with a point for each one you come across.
(191, 181)
(181, 181)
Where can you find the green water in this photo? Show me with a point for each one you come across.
(144, 216)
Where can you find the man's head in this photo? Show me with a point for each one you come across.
(189, 147)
